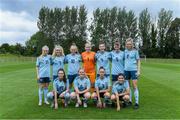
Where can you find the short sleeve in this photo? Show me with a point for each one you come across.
(54, 85)
(137, 55)
(75, 83)
(80, 58)
(37, 62)
(88, 83)
(67, 84)
(96, 83)
(109, 55)
(66, 59)
(114, 90)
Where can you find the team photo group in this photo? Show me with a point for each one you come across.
(107, 78)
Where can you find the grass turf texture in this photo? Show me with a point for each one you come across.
(159, 87)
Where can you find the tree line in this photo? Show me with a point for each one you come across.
(63, 26)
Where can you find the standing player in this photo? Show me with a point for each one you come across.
(57, 60)
(117, 58)
(60, 89)
(73, 60)
(120, 91)
(102, 59)
(88, 59)
(132, 69)
(43, 73)
(103, 87)
(82, 87)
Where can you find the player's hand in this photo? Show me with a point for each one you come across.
(118, 108)
(100, 104)
(79, 102)
(56, 106)
(138, 73)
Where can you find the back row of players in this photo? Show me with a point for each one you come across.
(125, 67)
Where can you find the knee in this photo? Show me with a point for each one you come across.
(73, 95)
(50, 95)
(67, 95)
(113, 97)
(93, 95)
(126, 97)
(107, 94)
(87, 95)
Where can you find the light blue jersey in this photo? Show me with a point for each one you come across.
(102, 84)
(60, 86)
(82, 83)
(120, 88)
(73, 62)
(117, 59)
(43, 63)
(102, 60)
(57, 63)
(131, 57)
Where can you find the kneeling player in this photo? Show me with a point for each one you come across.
(61, 89)
(103, 87)
(120, 91)
(82, 87)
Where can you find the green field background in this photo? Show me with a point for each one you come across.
(159, 87)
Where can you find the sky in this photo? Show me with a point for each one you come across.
(18, 18)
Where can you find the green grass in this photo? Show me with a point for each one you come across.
(159, 87)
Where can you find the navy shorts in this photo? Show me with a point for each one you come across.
(131, 75)
(71, 78)
(44, 80)
(54, 77)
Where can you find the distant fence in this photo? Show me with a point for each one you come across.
(17, 59)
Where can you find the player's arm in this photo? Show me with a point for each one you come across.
(107, 90)
(125, 93)
(117, 101)
(138, 63)
(37, 69)
(97, 91)
(55, 96)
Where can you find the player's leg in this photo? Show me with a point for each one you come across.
(127, 78)
(50, 98)
(106, 99)
(65, 96)
(92, 77)
(94, 97)
(40, 92)
(46, 85)
(135, 87)
(87, 95)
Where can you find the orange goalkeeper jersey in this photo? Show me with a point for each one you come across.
(88, 59)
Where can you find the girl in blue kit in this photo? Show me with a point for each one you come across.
(102, 59)
(117, 59)
(43, 73)
(60, 90)
(82, 87)
(73, 60)
(102, 89)
(58, 60)
(132, 69)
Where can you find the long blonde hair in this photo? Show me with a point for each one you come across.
(45, 47)
(58, 47)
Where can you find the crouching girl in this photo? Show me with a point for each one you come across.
(82, 87)
(120, 91)
(60, 90)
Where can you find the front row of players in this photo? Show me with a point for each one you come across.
(101, 96)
